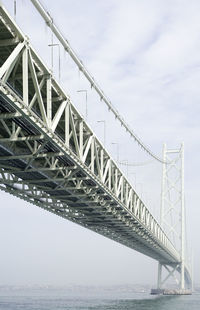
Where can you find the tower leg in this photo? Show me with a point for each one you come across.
(182, 221)
(159, 284)
(172, 217)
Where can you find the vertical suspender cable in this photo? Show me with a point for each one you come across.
(49, 21)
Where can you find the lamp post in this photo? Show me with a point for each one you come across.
(125, 163)
(134, 174)
(52, 46)
(15, 9)
(117, 146)
(86, 108)
(104, 131)
(141, 185)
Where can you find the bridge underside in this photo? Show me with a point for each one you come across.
(35, 170)
(50, 157)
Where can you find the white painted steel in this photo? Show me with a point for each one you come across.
(182, 236)
(50, 22)
(170, 203)
(50, 157)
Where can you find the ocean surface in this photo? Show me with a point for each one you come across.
(92, 298)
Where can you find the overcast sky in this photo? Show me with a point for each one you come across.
(146, 57)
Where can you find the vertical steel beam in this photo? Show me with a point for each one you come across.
(67, 125)
(81, 138)
(49, 101)
(25, 75)
(163, 186)
(159, 281)
(182, 220)
(92, 155)
(159, 275)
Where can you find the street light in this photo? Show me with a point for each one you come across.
(104, 131)
(141, 185)
(134, 174)
(86, 108)
(125, 163)
(117, 146)
(15, 9)
(52, 46)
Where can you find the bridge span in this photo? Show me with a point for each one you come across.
(50, 157)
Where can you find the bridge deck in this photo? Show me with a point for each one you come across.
(50, 157)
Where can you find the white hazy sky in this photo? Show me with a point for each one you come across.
(146, 56)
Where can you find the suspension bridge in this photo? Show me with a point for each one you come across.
(50, 157)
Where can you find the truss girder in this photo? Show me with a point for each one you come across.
(50, 157)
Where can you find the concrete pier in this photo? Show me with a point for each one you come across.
(170, 292)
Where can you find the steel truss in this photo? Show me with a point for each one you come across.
(50, 157)
(50, 23)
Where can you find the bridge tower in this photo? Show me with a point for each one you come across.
(172, 214)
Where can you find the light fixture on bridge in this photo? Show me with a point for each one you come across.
(52, 45)
(125, 163)
(86, 108)
(104, 131)
(117, 146)
(15, 9)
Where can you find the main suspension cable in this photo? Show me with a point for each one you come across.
(50, 22)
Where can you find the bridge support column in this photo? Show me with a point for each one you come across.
(159, 276)
(172, 215)
(182, 221)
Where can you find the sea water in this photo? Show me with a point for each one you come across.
(83, 298)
